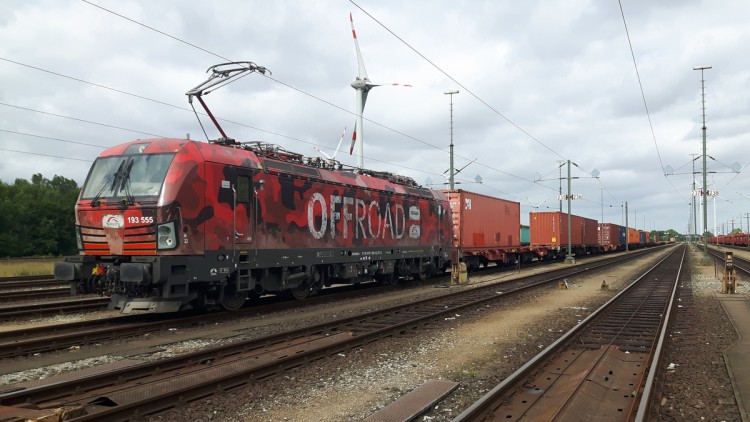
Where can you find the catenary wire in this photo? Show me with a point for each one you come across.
(446, 74)
(643, 95)
(45, 155)
(195, 46)
(328, 102)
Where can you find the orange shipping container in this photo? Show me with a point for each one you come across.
(633, 236)
(484, 222)
(551, 229)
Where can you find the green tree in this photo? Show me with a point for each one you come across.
(38, 217)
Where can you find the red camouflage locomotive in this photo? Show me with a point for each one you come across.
(168, 224)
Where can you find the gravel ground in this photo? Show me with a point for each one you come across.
(477, 349)
(698, 387)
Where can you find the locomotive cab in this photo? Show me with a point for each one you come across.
(133, 221)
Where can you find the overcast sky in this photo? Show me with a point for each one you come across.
(539, 82)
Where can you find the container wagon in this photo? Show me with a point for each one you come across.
(549, 234)
(486, 229)
(609, 236)
(633, 238)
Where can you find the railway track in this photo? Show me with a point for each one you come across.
(15, 284)
(603, 369)
(35, 294)
(740, 263)
(26, 278)
(147, 388)
(74, 304)
(81, 333)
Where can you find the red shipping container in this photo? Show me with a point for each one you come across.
(484, 222)
(551, 229)
(609, 234)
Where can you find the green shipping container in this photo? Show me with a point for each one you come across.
(525, 235)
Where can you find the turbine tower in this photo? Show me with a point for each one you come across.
(362, 85)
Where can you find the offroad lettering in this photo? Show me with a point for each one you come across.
(357, 219)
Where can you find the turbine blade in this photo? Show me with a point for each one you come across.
(364, 100)
(336, 151)
(354, 138)
(359, 107)
(360, 61)
(322, 152)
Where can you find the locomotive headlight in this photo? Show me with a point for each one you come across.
(79, 241)
(166, 235)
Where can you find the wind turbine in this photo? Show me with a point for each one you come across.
(332, 158)
(363, 86)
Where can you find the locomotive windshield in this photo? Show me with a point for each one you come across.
(127, 176)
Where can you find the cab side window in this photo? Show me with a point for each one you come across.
(243, 189)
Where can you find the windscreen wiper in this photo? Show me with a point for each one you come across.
(111, 182)
(126, 182)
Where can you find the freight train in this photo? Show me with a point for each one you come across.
(164, 225)
(734, 239)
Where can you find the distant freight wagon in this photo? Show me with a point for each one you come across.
(549, 234)
(609, 237)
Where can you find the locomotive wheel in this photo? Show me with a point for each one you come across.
(300, 292)
(232, 300)
(91, 285)
(389, 278)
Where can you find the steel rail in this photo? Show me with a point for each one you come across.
(655, 363)
(27, 341)
(34, 294)
(50, 308)
(740, 263)
(481, 407)
(25, 278)
(352, 332)
(15, 284)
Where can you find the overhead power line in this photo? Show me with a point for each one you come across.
(643, 95)
(80, 120)
(53, 139)
(205, 50)
(44, 155)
